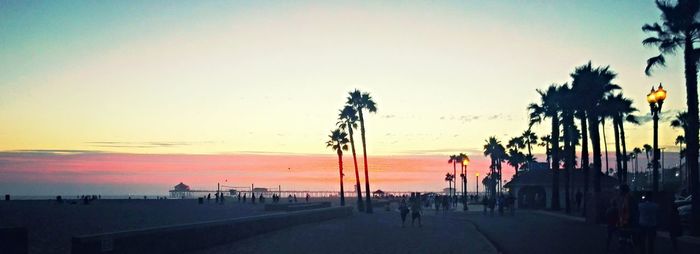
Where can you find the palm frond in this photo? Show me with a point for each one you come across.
(654, 61)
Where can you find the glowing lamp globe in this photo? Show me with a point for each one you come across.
(651, 97)
(660, 94)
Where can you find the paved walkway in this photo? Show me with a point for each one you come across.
(380, 232)
(534, 232)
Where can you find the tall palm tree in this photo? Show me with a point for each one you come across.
(680, 28)
(591, 85)
(549, 107)
(454, 159)
(495, 150)
(570, 137)
(619, 109)
(530, 138)
(449, 178)
(338, 141)
(348, 120)
(361, 102)
(626, 109)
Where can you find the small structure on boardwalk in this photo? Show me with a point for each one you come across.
(533, 189)
(379, 194)
(181, 190)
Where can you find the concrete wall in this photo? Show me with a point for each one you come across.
(188, 237)
(13, 240)
(296, 206)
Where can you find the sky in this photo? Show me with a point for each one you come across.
(134, 97)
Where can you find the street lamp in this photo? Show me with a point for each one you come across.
(465, 162)
(656, 101)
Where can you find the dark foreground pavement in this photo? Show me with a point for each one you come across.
(380, 232)
(535, 232)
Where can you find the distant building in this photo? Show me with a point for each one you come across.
(258, 190)
(533, 189)
(181, 190)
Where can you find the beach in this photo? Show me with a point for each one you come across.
(51, 224)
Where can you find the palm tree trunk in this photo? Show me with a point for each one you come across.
(691, 135)
(593, 125)
(368, 200)
(605, 144)
(584, 157)
(340, 169)
(555, 163)
(625, 159)
(454, 175)
(358, 188)
(618, 157)
(568, 161)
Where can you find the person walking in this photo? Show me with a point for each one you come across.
(648, 213)
(485, 204)
(416, 210)
(403, 209)
(611, 219)
(674, 227)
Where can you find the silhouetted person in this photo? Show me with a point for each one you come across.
(579, 198)
(209, 197)
(307, 197)
(648, 222)
(674, 227)
(244, 197)
(437, 204)
(239, 197)
(262, 199)
(611, 219)
(445, 203)
(289, 198)
(416, 209)
(252, 198)
(485, 203)
(295, 198)
(403, 209)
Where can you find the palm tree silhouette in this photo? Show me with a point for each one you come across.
(647, 152)
(530, 139)
(680, 140)
(454, 159)
(495, 150)
(363, 101)
(449, 178)
(549, 107)
(636, 151)
(680, 121)
(348, 120)
(591, 86)
(568, 106)
(545, 141)
(681, 29)
(618, 108)
(338, 141)
(514, 157)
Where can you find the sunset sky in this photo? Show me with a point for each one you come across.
(135, 96)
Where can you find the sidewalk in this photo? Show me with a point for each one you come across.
(380, 232)
(547, 232)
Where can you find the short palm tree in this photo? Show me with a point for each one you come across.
(530, 139)
(680, 29)
(347, 119)
(495, 150)
(361, 102)
(454, 159)
(338, 141)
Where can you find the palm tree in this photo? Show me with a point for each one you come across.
(348, 120)
(680, 121)
(619, 109)
(514, 156)
(591, 85)
(530, 138)
(339, 141)
(449, 178)
(463, 157)
(363, 101)
(569, 106)
(454, 159)
(495, 150)
(680, 28)
(636, 151)
(647, 151)
(545, 141)
(549, 108)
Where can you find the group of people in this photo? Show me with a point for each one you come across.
(218, 196)
(275, 198)
(413, 206)
(501, 202)
(636, 221)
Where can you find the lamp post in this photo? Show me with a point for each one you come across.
(477, 184)
(656, 101)
(465, 162)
